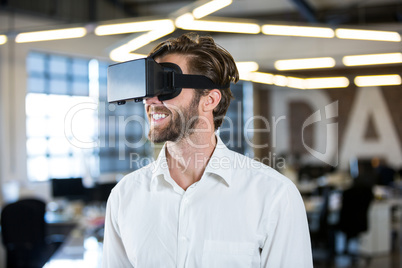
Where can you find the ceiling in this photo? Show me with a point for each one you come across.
(366, 14)
(333, 12)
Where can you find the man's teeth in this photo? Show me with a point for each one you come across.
(158, 116)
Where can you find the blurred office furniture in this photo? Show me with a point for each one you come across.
(95, 209)
(24, 234)
(363, 170)
(312, 172)
(386, 174)
(353, 216)
(72, 189)
(378, 240)
(80, 250)
(83, 246)
(322, 231)
(69, 196)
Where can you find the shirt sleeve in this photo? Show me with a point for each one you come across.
(288, 239)
(114, 253)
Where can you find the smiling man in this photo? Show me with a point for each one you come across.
(173, 119)
(200, 204)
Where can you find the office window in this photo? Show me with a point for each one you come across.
(56, 84)
(71, 129)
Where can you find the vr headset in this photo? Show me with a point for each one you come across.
(145, 78)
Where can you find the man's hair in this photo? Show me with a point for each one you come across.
(205, 57)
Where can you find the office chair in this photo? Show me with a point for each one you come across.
(24, 234)
(353, 217)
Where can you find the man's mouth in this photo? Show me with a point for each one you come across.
(158, 116)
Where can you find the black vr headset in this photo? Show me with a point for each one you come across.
(145, 78)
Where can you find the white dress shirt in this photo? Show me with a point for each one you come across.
(240, 214)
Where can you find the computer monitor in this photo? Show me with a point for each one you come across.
(68, 188)
(102, 191)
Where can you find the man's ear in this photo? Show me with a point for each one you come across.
(211, 100)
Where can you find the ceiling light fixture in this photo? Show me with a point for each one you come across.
(280, 80)
(3, 39)
(298, 64)
(187, 22)
(368, 35)
(150, 36)
(130, 27)
(258, 77)
(303, 31)
(372, 59)
(123, 53)
(51, 35)
(247, 66)
(378, 80)
(210, 7)
(326, 82)
(296, 82)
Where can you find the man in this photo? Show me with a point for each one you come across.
(200, 204)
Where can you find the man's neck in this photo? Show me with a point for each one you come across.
(188, 158)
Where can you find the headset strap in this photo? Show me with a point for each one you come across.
(194, 81)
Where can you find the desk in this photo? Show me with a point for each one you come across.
(377, 240)
(78, 251)
(83, 246)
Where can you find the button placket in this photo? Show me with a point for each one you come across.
(183, 240)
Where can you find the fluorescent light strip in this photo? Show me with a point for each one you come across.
(378, 80)
(247, 66)
(298, 64)
(372, 59)
(147, 38)
(258, 77)
(210, 7)
(285, 30)
(296, 82)
(280, 80)
(326, 82)
(51, 35)
(3, 39)
(123, 53)
(131, 27)
(368, 35)
(187, 22)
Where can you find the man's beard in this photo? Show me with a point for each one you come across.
(181, 125)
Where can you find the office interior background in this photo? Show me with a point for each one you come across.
(319, 100)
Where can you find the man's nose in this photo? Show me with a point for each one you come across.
(153, 100)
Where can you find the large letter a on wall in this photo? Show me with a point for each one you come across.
(370, 102)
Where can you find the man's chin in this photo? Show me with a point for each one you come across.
(161, 136)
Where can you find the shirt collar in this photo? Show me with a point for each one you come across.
(160, 170)
(219, 165)
(221, 161)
